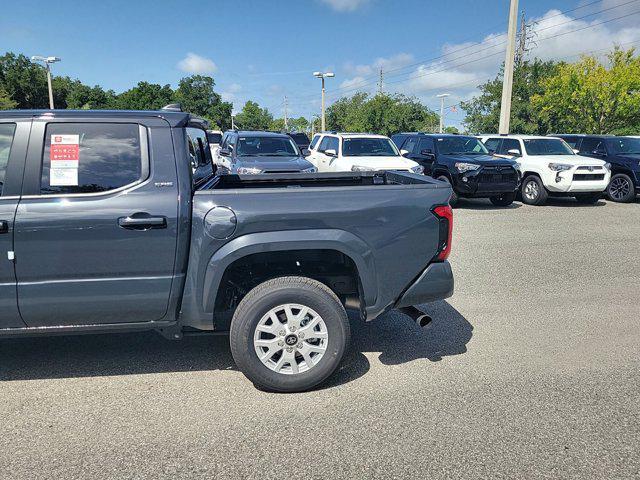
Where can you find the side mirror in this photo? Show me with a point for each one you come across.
(576, 151)
(225, 152)
(427, 153)
(331, 152)
(404, 153)
(600, 153)
(305, 152)
(514, 151)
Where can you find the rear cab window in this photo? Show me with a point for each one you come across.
(92, 157)
(7, 133)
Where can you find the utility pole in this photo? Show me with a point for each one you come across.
(381, 83)
(286, 123)
(322, 76)
(47, 63)
(522, 40)
(509, 59)
(233, 126)
(442, 96)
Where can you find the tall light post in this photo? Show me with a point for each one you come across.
(47, 63)
(322, 76)
(442, 96)
(509, 59)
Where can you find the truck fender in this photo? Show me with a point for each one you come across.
(323, 239)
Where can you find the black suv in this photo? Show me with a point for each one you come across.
(255, 152)
(301, 140)
(623, 153)
(465, 163)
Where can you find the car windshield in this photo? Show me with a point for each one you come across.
(214, 138)
(461, 146)
(266, 147)
(368, 147)
(624, 145)
(547, 146)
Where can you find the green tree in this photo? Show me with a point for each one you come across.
(6, 102)
(382, 113)
(592, 97)
(145, 96)
(451, 129)
(483, 111)
(196, 95)
(24, 81)
(253, 117)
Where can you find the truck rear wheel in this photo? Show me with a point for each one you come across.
(289, 334)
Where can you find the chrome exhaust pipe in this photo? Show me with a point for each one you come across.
(421, 318)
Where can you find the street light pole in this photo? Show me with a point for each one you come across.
(442, 96)
(47, 63)
(322, 76)
(509, 59)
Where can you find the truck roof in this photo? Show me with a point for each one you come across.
(175, 119)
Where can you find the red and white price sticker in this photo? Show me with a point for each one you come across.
(65, 151)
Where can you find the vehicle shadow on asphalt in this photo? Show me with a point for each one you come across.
(394, 336)
(482, 204)
(397, 340)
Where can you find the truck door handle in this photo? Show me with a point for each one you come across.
(142, 222)
(4, 226)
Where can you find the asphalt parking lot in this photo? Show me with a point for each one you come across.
(531, 370)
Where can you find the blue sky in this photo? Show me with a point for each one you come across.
(264, 50)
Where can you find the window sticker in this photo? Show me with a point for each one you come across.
(65, 158)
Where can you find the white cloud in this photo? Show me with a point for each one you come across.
(354, 83)
(345, 5)
(229, 94)
(194, 63)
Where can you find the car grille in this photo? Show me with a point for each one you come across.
(590, 168)
(586, 177)
(497, 175)
(282, 171)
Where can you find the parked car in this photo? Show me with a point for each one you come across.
(104, 231)
(214, 137)
(357, 152)
(302, 141)
(550, 167)
(463, 162)
(254, 152)
(622, 153)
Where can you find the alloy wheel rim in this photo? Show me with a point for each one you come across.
(290, 339)
(531, 190)
(619, 188)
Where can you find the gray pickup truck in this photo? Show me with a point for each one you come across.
(107, 224)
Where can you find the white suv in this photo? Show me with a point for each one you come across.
(551, 168)
(357, 152)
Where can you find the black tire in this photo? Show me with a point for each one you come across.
(503, 200)
(453, 201)
(274, 293)
(588, 198)
(621, 189)
(537, 195)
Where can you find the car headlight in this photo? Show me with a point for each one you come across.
(417, 169)
(362, 168)
(466, 167)
(248, 171)
(560, 167)
(310, 170)
(607, 166)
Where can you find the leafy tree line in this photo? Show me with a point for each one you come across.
(23, 84)
(589, 96)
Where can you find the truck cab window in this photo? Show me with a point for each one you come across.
(90, 157)
(7, 131)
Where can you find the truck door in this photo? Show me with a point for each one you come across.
(96, 228)
(14, 136)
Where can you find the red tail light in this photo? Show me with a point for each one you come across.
(444, 213)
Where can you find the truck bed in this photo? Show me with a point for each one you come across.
(297, 180)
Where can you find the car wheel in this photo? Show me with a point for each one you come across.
(453, 201)
(503, 200)
(533, 191)
(289, 334)
(588, 198)
(621, 188)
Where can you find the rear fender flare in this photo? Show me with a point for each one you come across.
(324, 239)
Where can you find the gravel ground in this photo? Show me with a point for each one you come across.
(531, 370)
